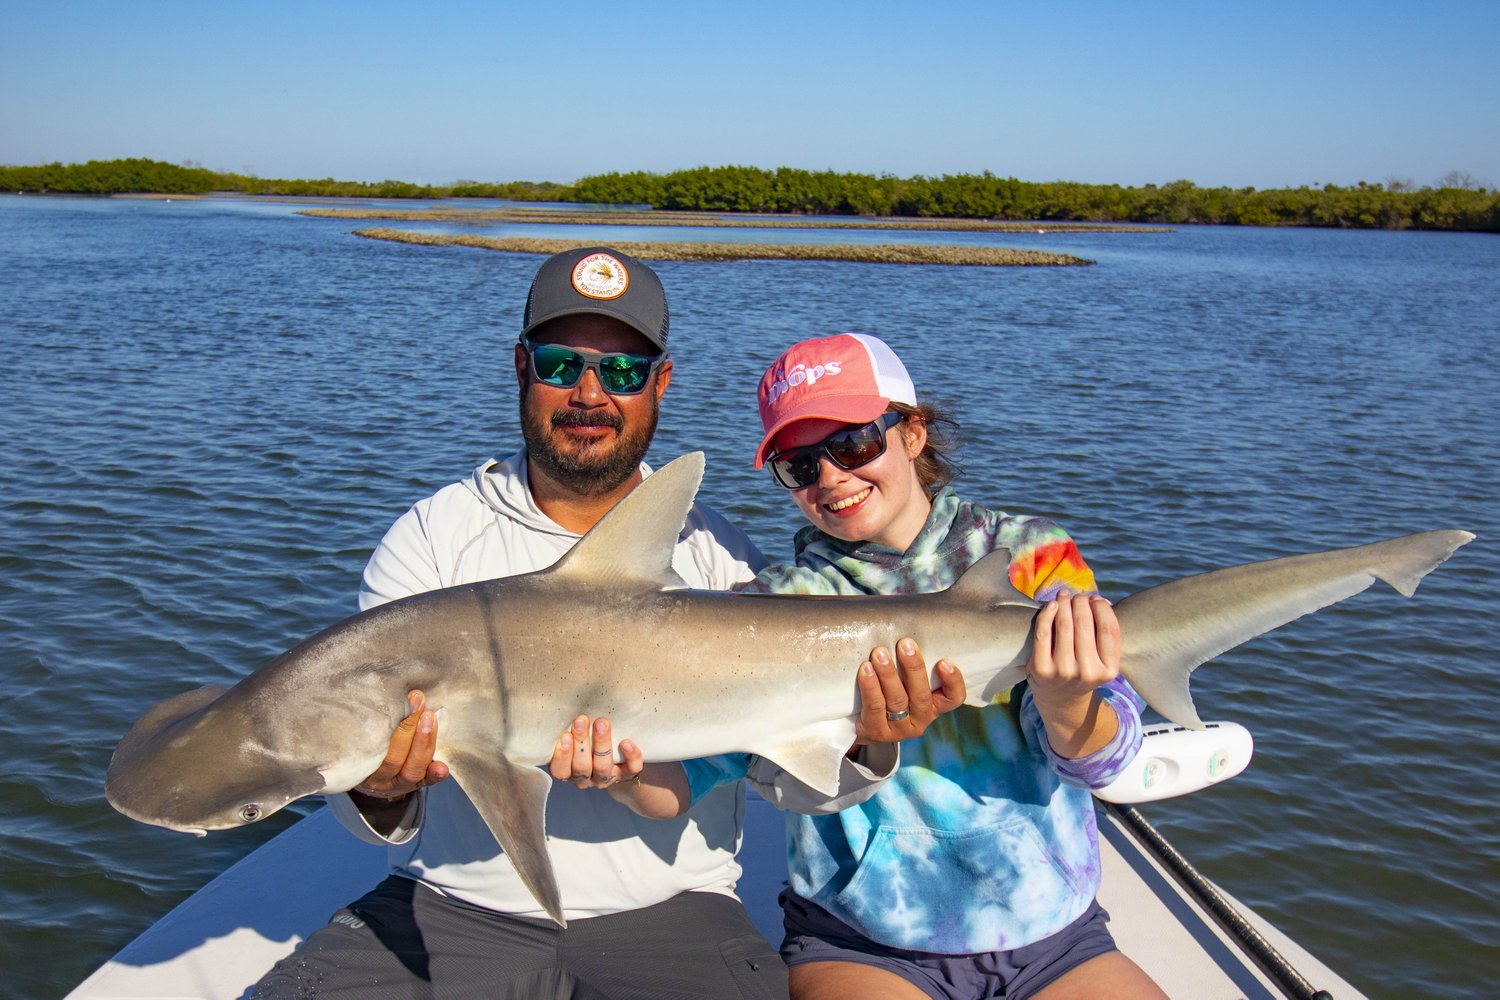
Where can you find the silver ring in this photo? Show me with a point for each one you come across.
(898, 716)
(604, 753)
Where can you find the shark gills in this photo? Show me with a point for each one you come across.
(611, 630)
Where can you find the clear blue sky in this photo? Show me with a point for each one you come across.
(1267, 94)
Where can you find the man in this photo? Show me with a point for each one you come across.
(650, 903)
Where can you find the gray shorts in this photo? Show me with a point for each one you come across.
(814, 935)
(404, 940)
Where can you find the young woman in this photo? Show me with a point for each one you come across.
(972, 872)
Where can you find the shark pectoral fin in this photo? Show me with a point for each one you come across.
(512, 800)
(815, 754)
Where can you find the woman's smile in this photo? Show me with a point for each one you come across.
(849, 502)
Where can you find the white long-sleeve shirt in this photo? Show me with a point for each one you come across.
(607, 858)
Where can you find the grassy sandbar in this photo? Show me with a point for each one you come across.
(885, 253)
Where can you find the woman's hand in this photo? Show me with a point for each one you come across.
(896, 701)
(1075, 650)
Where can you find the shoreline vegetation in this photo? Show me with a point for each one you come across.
(1457, 203)
(631, 217)
(885, 253)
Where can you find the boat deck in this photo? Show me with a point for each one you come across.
(220, 940)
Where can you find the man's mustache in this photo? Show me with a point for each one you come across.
(586, 418)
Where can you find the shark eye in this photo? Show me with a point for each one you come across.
(250, 813)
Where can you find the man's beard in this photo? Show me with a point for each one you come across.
(600, 466)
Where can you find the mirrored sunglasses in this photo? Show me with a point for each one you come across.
(619, 374)
(848, 448)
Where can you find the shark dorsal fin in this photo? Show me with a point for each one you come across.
(988, 581)
(633, 543)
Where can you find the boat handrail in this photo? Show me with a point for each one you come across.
(1233, 923)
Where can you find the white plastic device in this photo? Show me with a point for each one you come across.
(1174, 761)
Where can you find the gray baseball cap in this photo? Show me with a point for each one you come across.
(599, 280)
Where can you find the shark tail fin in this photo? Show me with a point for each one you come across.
(1407, 565)
(1169, 630)
(633, 543)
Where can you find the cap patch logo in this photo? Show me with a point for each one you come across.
(600, 276)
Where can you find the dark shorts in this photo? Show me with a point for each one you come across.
(404, 940)
(814, 935)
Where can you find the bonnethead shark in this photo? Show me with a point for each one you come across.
(611, 630)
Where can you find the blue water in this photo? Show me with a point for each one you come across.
(213, 409)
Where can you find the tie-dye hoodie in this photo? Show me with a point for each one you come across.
(984, 839)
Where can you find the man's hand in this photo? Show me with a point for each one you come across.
(584, 756)
(895, 699)
(408, 763)
(588, 761)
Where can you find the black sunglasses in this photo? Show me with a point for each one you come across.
(849, 448)
(619, 374)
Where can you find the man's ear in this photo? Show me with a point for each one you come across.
(663, 378)
(521, 366)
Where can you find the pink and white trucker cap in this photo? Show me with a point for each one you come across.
(850, 377)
